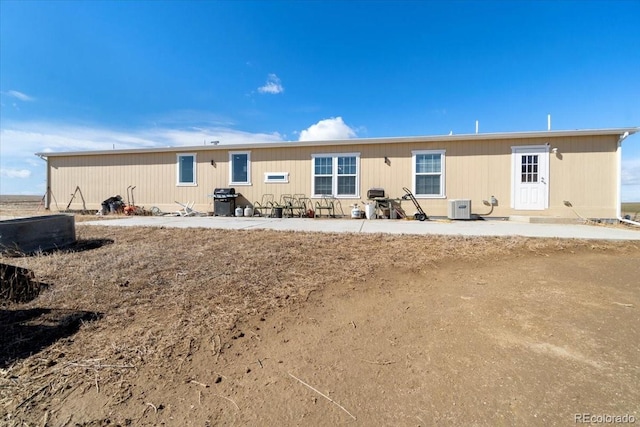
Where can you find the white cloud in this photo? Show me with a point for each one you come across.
(19, 95)
(272, 86)
(20, 140)
(333, 128)
(15, 173)
(25, 139)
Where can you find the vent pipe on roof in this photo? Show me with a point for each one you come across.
(548, 121)
(476, 126)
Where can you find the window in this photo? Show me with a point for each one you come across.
(186, 169)
(529, 167)
(336, 175)
(273, 177)
(239, 168)
(428, 173)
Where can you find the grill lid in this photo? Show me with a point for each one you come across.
(375, 192)
(224, 191)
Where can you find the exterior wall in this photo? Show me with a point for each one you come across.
(582, 172)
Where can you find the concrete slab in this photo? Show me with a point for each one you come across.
(452, 228)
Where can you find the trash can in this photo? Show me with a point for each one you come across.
(277, 212)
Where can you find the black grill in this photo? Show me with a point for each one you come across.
(224, 201)
(224, 193)
(375, 193)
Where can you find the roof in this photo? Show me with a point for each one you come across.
(360, 141)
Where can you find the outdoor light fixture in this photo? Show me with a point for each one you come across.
(387, 161)
(213, 162)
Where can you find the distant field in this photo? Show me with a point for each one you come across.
(19, 199)
(16, 205)
(631, 209)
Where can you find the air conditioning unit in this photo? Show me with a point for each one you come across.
(459, 209)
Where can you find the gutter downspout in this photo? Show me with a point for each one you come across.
(47, 195)
(619, 182)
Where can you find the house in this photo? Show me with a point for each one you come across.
(560, 174)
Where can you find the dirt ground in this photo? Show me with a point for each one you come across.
(211, 327)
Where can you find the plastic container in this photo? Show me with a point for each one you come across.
(239, 211)
(369, 210)
(277, 212)
(356, 213)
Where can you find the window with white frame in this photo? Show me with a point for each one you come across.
(239, 168)
(428, 173)
(275, 177)
(336, 175)
(186, 164)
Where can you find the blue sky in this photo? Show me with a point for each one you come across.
(130, 74)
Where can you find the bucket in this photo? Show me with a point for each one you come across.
(248, 211)
(239, 211)
(369, 210)
(356, 213)
(277, 212)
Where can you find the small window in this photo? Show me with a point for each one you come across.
(186, 169)
(273, 177)
(428, 173)
(336, 175)
(240, 168)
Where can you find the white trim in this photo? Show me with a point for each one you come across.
(231, 181)
(544, 177)
(195, 175)
(334, 172)
(443, 191)
(269, 177)
(619, 179)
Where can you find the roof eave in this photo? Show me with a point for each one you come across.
(392, 140)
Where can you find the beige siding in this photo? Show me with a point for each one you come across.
(582, 172)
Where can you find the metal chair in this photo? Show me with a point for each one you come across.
(265, 206)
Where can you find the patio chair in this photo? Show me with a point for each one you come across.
(292, 205)
(265, 206)
(187, 209)
(305, 203)
(326, 203)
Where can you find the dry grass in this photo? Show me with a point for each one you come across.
(159, 293)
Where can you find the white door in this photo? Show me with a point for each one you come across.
(530, 179)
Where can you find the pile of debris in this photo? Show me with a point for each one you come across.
(17, 284)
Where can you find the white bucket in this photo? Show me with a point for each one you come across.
(248, 211)
(239, 211)
(369, 210)
(356, 213)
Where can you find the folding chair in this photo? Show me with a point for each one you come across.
(187, 209)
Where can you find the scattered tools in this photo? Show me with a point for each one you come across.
(131, 208)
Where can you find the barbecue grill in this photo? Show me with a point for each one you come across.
(224, 201)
